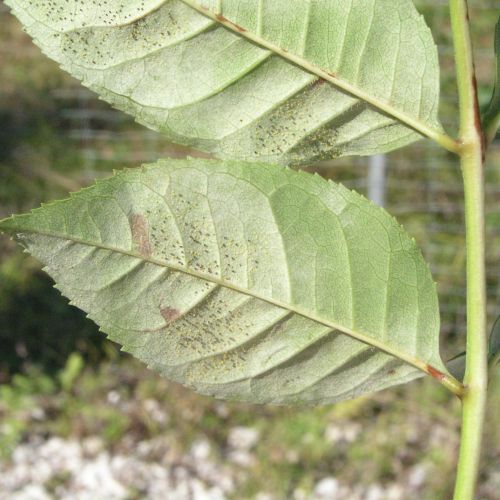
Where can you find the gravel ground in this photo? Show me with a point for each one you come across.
(58, 468)
(43, 469)
(121, 432)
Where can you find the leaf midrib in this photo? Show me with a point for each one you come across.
(384, 107)
(416, 362)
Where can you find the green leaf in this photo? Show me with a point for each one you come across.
(494, 341)
(491, 119)
(282, 81)
(456, 366)
(244, 280)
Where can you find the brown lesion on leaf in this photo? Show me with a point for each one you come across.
(433, 372)
(170, 314)
(224, 20)
(139, 227)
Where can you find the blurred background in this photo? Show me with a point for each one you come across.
(79, 419)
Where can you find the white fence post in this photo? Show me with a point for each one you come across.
(376, 179)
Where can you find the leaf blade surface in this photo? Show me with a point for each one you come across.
(245, 281)
(287, 82)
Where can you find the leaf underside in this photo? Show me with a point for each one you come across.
(242, 280)
(494, 340)
(491, 118)
(240, 79)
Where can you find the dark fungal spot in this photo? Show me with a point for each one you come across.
(318, 82)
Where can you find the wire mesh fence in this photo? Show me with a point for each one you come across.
(420, 185)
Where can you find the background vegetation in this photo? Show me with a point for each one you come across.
(77, 417)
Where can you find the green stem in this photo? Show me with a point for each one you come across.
(471, 156)
(475, 379)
